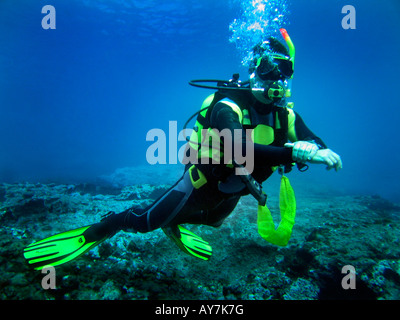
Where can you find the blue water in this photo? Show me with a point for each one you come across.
(76, 102)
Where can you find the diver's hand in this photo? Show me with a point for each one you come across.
(328, 157)
(303, 151)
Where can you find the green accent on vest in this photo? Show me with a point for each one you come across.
(246, 118)
(265, 131)
(263, 134)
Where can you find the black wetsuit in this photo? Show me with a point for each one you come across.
(208, 205)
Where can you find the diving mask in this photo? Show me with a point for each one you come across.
(274, 67)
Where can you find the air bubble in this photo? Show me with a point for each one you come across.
(260, 20)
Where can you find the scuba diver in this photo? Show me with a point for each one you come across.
(209, 190)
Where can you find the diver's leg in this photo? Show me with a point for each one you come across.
(196, 213)
(159, 214)
(217, 215)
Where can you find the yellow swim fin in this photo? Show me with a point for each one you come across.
(63, 247)
(189, 242)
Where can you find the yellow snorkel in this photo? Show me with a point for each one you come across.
(292, 49)
(292, 54)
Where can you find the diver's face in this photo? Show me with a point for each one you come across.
(269, 81)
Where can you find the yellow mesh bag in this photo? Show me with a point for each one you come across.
(287, 206)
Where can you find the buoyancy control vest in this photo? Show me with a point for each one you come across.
(273, 128)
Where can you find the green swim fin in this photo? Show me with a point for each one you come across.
(66, 246)
(188, 242)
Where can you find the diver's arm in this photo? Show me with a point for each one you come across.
(307, 147)
(223, 117)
